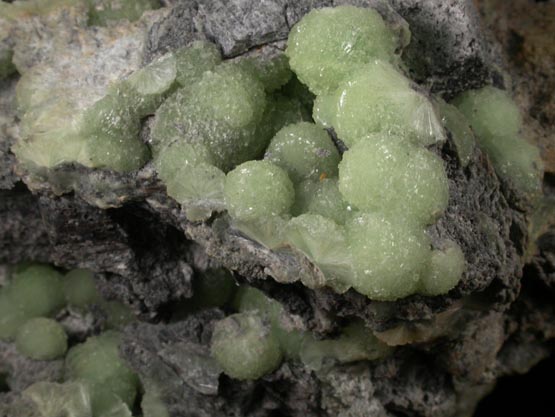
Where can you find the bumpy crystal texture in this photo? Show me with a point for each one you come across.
(328, 43)
(389, 256)
(387, 175)
(41, 339)
(97, 364)
(497, 122)
(378, 98)
(245, 347)
(446, 268)
(305, 151)
(257, 189)
(321, 197)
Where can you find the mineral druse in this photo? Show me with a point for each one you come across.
(319, 157)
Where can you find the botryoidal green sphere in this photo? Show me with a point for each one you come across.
(321, 197)
(97, 363)
(41, 339)
(388, 256)
(258, 189)
(80, 288)
(329, 43)
(445, 271)
(305, 151)
(37, 291)
(245, 346)
(388, 175)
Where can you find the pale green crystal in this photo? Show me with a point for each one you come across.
(445, 270)
(221, 111)
(273, 73)
(118, 314)
(41, 339)
(80, 288)
(97, 363)
(37, 291)
(106, 12)
(321, 197)
(329, 43)
(391, 176)
(356, 343)
(461, 132)
(245, 347)
(257, 189)
(388, 256)
(11, 316)
(378, 98)
(70, 399)
(323, 241)
(491, 112)
(252, 299)
(194, 60)
(496, 121)
(305, 151)
(267, 231)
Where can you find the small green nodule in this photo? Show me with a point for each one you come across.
(41, 339)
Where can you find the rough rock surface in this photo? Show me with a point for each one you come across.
(145, 251)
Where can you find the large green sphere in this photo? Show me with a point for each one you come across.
(258, 189)
(41, 339)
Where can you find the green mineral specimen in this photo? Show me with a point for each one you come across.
(321, 197)
(388, 256)
(194, 60)
(389, 175)
(7, 67)
(80, 288)
(106, 12)
(118, 314)
(273, 73)
(461, 132)
(378, 98)
(97, 364)
(221, 111)
(305, 151)
(257, 189)
(37, 291)
(496, 121)
(11, 317)
(324, 242)
(41, 339)
(245, 347)
(70, 399)
(356, 343)
(445, 271)
(329, 43)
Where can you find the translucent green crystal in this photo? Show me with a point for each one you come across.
(329, 43)
(491, 112)
(194, 60)
(496, 121)
(257, 189)
(391, 176)
(97, 363)
(106, 12)
(37, 291)
(356, 343)
(80, 288)
(11, 317)
(445, 271)
(267, 231)
(323, 241)
(273, 73)
(378, 98)
(321, 197)
(41, 339)
(245, 347)
(70, 399)
(388, 256)
(460, 129)
(221, 111)
(305, 151)
(252, 299)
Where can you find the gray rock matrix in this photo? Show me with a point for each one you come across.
(145, 251)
